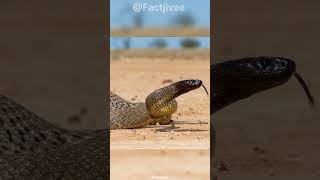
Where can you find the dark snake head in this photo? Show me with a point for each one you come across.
(186, 86)
(238, 79)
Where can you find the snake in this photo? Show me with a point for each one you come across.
(157, 108)
(238, 79)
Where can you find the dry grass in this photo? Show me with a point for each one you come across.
(161, 31)
(201, 53)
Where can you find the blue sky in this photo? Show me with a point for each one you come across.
(121, 12)
(144, 42)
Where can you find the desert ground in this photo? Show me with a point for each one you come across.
(275, 134)
(180, 151)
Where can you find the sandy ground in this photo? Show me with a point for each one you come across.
(162, 152)
(275, 134)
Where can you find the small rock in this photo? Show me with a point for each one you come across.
(259, 150)
(134, 98)
(167, 81)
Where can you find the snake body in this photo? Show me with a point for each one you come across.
(32, 148)
(157, 108)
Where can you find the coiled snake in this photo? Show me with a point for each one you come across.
(157, 108)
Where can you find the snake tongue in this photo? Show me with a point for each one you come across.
(305, 87)
(205, 89)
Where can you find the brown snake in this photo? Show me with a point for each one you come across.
(157, 108)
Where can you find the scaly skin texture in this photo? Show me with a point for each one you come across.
(31, 148)
(125, 115)
(159, 106)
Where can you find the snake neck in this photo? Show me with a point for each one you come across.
(161, 102)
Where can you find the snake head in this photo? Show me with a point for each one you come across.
(162, 101)
(186, 86)
(258, 72)
(237, 79)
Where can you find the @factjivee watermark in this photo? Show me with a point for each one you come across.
(157, 8)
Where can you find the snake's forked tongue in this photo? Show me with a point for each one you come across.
(305, 87)
(205, 89)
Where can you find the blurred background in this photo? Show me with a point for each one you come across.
(274, 133)
(122, 48)
(159, 42)
(53, 59)
(192, 20)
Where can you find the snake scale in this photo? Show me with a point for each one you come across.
(32, 148)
